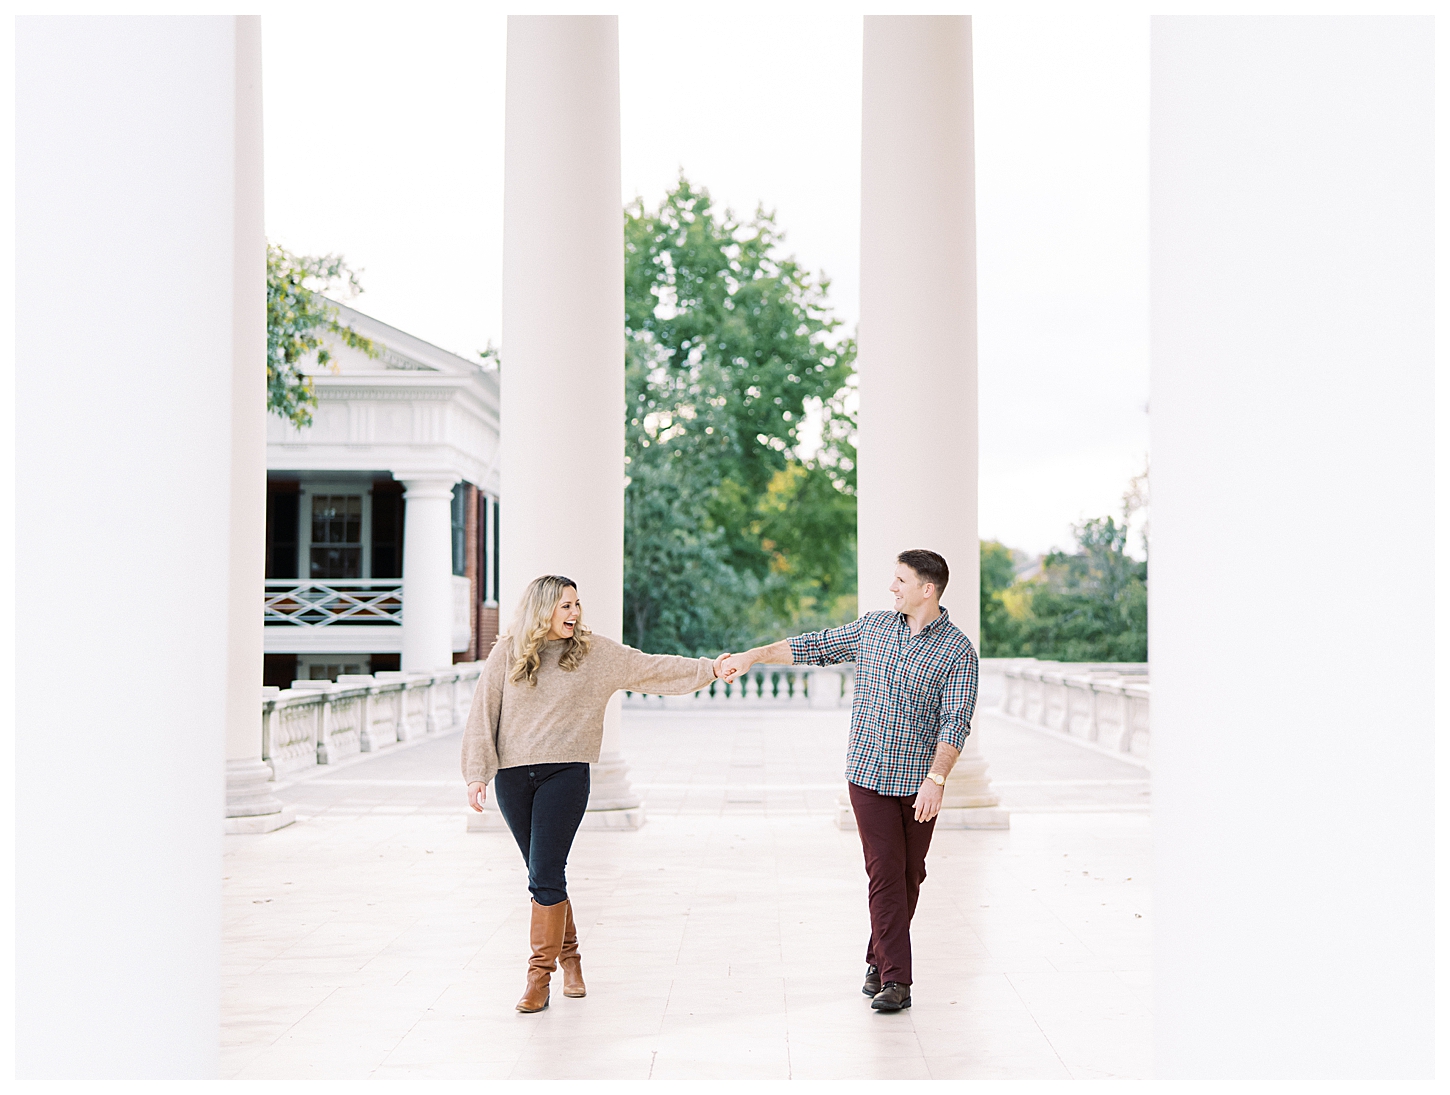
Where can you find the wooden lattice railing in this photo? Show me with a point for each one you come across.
(321, 602)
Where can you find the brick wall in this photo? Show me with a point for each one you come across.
(470, 566)
(487, 628)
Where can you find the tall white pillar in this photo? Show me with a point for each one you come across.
(126, 229)
(427, 571)
(562, 382)
(917, 360)
(251, 807)
(1291, 596)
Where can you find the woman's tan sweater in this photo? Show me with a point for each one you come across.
(561, 718)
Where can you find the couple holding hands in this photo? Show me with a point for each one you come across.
(537, 723)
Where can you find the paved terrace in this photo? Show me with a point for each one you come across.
(724, 940)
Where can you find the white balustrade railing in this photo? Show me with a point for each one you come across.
(763, 687)
(1105, 703)
(293, 602)
(319, 722)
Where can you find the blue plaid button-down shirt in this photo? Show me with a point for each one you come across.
(912, 692)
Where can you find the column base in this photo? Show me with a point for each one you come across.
(261, 823)
(609, 787)
(249, 789)
(627, 819)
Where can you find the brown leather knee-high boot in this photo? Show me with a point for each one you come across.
(546, 936)
(569, 956)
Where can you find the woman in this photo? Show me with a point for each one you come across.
(536, 724)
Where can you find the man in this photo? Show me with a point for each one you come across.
(916, 685)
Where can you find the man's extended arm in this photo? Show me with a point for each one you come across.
(774, 654)
(829, 647)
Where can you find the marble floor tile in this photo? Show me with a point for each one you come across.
(1105, 1051)
(805, 1065)
(450, 1068)
(990, 1066)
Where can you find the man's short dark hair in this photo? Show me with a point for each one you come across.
(929, 567)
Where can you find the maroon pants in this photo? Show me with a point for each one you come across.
(895, 845)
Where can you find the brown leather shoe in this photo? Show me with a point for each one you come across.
(569, 956)
(894, 996)
(872, 985)
(546, 936)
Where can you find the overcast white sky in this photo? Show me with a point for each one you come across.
(385, 139)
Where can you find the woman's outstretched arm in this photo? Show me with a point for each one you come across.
(662, 674)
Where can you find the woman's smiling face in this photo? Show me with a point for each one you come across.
(566, 614)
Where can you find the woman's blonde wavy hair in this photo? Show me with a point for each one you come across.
(530, 630)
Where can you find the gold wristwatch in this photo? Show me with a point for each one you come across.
(940, 781)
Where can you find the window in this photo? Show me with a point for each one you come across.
(328, 667)
(282, 512)
(336, 548)
(460, 529)
(387, 538)
(495, 552)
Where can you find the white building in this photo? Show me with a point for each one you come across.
(401, 459)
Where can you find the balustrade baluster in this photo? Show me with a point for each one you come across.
(1104, 703)
(318, 722)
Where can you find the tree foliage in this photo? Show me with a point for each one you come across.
(299, 318)
(1084, 606)
(998, 570)
(732, 531)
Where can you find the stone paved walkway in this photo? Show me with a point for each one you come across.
(376, 938)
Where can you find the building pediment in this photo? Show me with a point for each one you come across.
(398, 351)
(414, 403)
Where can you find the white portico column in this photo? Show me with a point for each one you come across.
(1293, 225)
(918, 337)
(427, 571)
(126, 165)
(562, 381)
(251, 806)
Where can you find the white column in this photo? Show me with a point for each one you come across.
(126, 230)
(427, 571)
(917, 473)
(251, 806)
(562, 383)
(1293, 438)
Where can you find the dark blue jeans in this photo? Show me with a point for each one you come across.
(543, 805)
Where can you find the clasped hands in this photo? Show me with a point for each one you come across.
(729, 666)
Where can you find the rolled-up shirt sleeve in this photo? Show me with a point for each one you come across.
(958, 701)
(829, 647)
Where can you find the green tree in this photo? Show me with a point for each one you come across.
(680, 593)
(1087, 605)
(730, 346)
(1091, 605)
(299, 317)
(998, 573)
